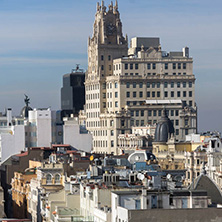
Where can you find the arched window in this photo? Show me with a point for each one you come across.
(48, 178)
(57, 178)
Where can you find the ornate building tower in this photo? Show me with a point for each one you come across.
(126, 88)
(106, 44)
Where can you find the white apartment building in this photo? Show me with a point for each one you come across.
(76, 135)
(12, 135)
(41, 129)
(129, 87)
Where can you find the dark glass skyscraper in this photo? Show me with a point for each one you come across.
(73, 92)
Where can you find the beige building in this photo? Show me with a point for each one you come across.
(129, 87)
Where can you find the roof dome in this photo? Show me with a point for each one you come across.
(140, 156)
(164, 128)
(25, 111)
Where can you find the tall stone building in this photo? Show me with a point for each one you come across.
(129, 87)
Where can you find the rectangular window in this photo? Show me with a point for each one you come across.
(190, 84)
(132, 113)
(102, 58)
(190, 94)
(172, 94)
(178, 94)
(148, 85)
(165, 84)
(116, 94)
(177, 122)
(131, 65)
(166, 94)
(148, 94)
(137, 112)
(102, 67)
(134, 85)
(137, 123)
(159, 112)
(153, 94)
(184, 73)
(154, 65)
(148, 66)
(154, 112)
(172, 112)
(142, 112)
(190, 103)
(141, 94)
(116, 104)
(174, 74)
(172, 84)
(142, 122)
(184, 84)
(184, 65)
(153, 85)
(134, 94)
(126, 74)
(149, 112)
(104, 95)
(136, 66)
(158, 84)
(158, 94)
(174, 65)
(109, 57)
(177, 132)
(109, 67)
(141, 85)
(178, 84)
(116, 85)
(127, 94)
(166, 65)
(136, 74)
(184, 93)
(177, 113)
(126, 66)
(127, 85)
(179, 65)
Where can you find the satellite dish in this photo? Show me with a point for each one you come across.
(140, 176)
(168, 176)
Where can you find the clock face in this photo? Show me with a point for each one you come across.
(110, 29)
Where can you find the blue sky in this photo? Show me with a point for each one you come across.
(41, 40)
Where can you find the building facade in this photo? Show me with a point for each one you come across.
(129, 87)
(73, 92)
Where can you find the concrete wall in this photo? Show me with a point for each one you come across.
(73, 137)
(13, 142)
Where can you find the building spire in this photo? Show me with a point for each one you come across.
(98, 6)
(116, 5)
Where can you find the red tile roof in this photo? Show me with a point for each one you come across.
(22, 154)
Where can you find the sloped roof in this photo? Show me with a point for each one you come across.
(203, 182)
